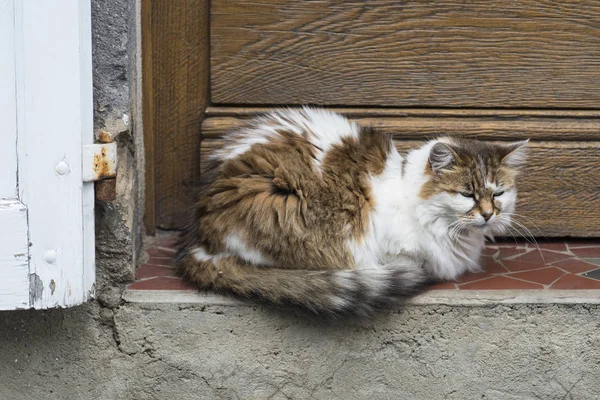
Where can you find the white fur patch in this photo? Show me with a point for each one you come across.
(320, 127)
(201, 255)
(325, 129)
(236, 245)
(389, 195)
(338, 303)
(244, 144)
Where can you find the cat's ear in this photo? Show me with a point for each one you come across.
(441, 157)
(515, 154)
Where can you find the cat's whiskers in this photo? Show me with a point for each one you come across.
(527, 234)
(457, 228)
(529, 220)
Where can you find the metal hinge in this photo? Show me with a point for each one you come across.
(99, 161)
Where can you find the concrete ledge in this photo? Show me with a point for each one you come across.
(420, 352)
(442, 297)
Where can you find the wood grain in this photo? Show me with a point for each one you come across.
(148, 117)
(489, 127)
(175, 43)
(527, 54)
(558, 190)
(364, 112)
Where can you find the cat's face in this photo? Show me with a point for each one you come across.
(472, 184)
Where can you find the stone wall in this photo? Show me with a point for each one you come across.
(116, 96)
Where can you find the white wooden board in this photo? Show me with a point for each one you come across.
(8, 106)
(54, 109)
(46, 115)
(14, 268)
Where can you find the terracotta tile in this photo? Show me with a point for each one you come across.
(512, 244)
(492, 267)
(556, 246)
(507, 252)
(576, 244)
(148, 271)
(162, 261)
(160, 252)
(575, 266)
(518, 266)
(161, 283)
(443, 286)
(166, 241)
(499, 283)
(542, 256)
(489, 251)
(570, 281)
(545, 276)
(170, 250)
(472, 276)
(590, 252)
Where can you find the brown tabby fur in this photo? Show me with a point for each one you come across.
(280, 204)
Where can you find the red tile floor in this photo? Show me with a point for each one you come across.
(571, 264)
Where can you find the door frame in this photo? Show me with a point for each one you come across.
(175, 86)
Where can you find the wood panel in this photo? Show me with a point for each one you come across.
(359, 112)
(175, 85)
(413, 127)
(559, 188)
(525, 54)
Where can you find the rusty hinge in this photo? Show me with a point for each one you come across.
(100, 166)
(99, 161)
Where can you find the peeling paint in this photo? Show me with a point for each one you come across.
(36, 288)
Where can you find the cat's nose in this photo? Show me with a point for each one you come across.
(487, 215)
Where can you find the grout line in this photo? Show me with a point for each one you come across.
(556, 280)
(169, 249)
(524, 280)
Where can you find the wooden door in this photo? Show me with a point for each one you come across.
(415, 69)
(46, 210)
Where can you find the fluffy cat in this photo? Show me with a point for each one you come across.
(305, 207)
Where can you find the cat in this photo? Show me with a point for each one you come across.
(305, 207)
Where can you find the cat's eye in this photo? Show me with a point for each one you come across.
(500, 193)
(467, 194)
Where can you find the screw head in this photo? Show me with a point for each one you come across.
(62, 168)
(50, 256)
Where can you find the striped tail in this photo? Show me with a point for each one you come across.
(322, 292)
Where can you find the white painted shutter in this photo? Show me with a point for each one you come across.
(46, 210)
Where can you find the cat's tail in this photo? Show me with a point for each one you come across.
(340, 292)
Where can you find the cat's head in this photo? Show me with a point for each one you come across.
(472, 184)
